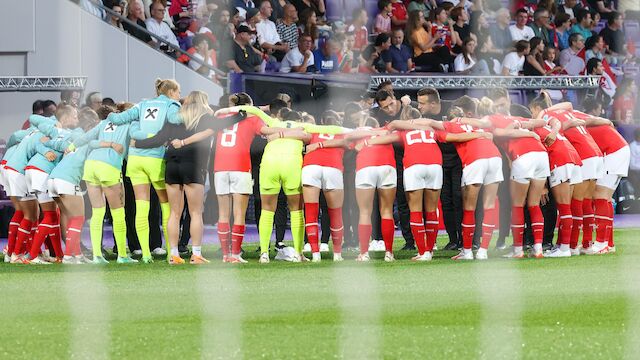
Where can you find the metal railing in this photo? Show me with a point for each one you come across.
(159, 40)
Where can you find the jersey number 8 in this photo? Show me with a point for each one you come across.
(229, 136)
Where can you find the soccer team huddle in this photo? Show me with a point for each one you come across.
(579, 158)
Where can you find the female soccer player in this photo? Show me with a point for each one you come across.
(146, 167)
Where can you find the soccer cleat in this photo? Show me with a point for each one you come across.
(481, 254)
(7, 258)
(388, 256)
(39, 261)
(306, 247)
(99, 260)
(296, 258)
(575, 252)
(147, 260)
(600, 248)
(226, 258)
(159, 252)
(315, 257)
(514, 255)
(176, 260)
(363, 257)
(236, 259)
(557, 253)
(536, 254)
(264, 258)
(126, 260)
(69, 260)
(337, 257)
(18, 259)
(197, 260)
(324, 247)
(80, 259)
(612, 249)
(376, 245)
(137, 252)
(463, 255)
(427, 256)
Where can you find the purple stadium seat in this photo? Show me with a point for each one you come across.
(350, 6)
(601, 25)
(632, 32)
(518, 97)
(334, 10)
(372, 10)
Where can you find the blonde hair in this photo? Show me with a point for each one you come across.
(196, 105)
(485, 107)
(87, 118)
(164, 86)
(456, 112)
(409, 113)
(64, 110)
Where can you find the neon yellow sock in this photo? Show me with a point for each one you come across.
(265, 227)
(120, 231)
(166, 211)
(142, 226)
(95, 229)
(297, 229)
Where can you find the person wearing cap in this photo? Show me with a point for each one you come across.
(252, 18)
(243, 58)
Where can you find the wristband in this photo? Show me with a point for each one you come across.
(366, 143)
(280, 134)
(181, 143)
(321, 145)
(71, 147)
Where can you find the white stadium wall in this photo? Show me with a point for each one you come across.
(57, 38)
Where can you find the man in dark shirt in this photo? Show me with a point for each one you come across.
(614, 37)
(134, 14)
(398, 57)
(243, 57)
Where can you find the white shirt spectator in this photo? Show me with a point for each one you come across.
(294, 58)
(514, 63)
(162, 30)
(572, 63)
(196, 65)
(569, 11)
(521, 34)
(267, 32)
(460, 65)
(635, 156)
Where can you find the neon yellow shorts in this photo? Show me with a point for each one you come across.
(146, 170)
(99, 173)
(285, 173)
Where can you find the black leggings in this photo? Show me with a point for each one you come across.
(439, 56)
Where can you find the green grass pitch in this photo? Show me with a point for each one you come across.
(575, 308)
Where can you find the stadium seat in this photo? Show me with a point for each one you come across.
(372, 9)
(601, 25)
(334, 10)
(350, 6)
(632, 32)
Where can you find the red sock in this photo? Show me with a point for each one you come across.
(517, 225)
(24, 232)
(468, 227)
(566, 223)
(387, 227)
(602, 220)
(47, 227)
(14, 223)
(418, 231)
(488, 225)
(364, 234)
(237, 235)
(223, 236)
(537, 223)
(337, 229)
(588, 222)
(576, 213)
(432, 229)
(311, 225)
(610, 231)
(74, 231)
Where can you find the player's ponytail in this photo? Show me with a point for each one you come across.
(456, 112)
(485, 107)
(240, 98)
(164, 86)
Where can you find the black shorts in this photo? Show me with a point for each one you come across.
(181, 172)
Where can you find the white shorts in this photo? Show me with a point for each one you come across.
(421, 176)
(36, 181)
(592, 168)
(232, 182)
(17, 185)
(617, 163)
(377, 177)
(610, 181)
(566, 172)
(530, 166)
(59, 187)
(323, 177)
(483, 171)
(2, 180)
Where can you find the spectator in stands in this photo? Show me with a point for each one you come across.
(595, 48)
(540, 25)
(326, 56)
(70, 97)
(425, 53)
(500, 32)
(316, 5)
(268, 37)
(223, 28)
(398, 57)
(607, 88)
(467, 63)
(243, 6)
(299, 59)
(569, 8)
(570, 57)
(422, 5)
(359, 28)
(520, 30)
(624, 102)
(603, 7)
(204, 54)
(398, 15)
(114, 20)
(157, 26)
(592, 106)
(440, 30)
(252, 18)
(136, 15)
(371, 60)
(348, 57)
(561, 32)
(551, 6)
(513, 63)
(533, 62)
(583, 24)
(243, 58)
(308, 23)
(634, 165)
(278, 10)
(615, 40)
(93, 100)
(383, 19)
(462, 27)
(287, 26)
(179, 9)
(550, 66)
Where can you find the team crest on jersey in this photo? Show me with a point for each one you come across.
(111, 127)
(151, 113)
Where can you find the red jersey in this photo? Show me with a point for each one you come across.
(561, 152)
(472, 150)
(361, 37)
(516, 147)
(437, 31)
(420, 147)
(233, 145)
(375, 155)
(400, 12)
(578, 135)
(626, 106)
(330, 157)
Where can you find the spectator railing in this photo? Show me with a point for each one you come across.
(42, 83)
(159, 40)
(441, 81)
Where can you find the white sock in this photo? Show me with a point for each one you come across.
(537, 247)
(174, 251)
(482, 251)
(467, 251)
(564, 247)
(197, 250)
(517, 249)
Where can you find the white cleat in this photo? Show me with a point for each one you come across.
(324, 247)
(463, 255)
(39, 261)
(264, 258)
(299, 258)
(556, 252)
(159, 252)
(236, 259)
(481, 254)
(600, 248)
(575, 252)
(388, 256)
(514, 255)
(80, 259)
(363, 257)
(137, 252)
(337, 257)
(315, 257)
(7, 258)
(612, 249)
(427, 256)
(69, 260)
(306, 247)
